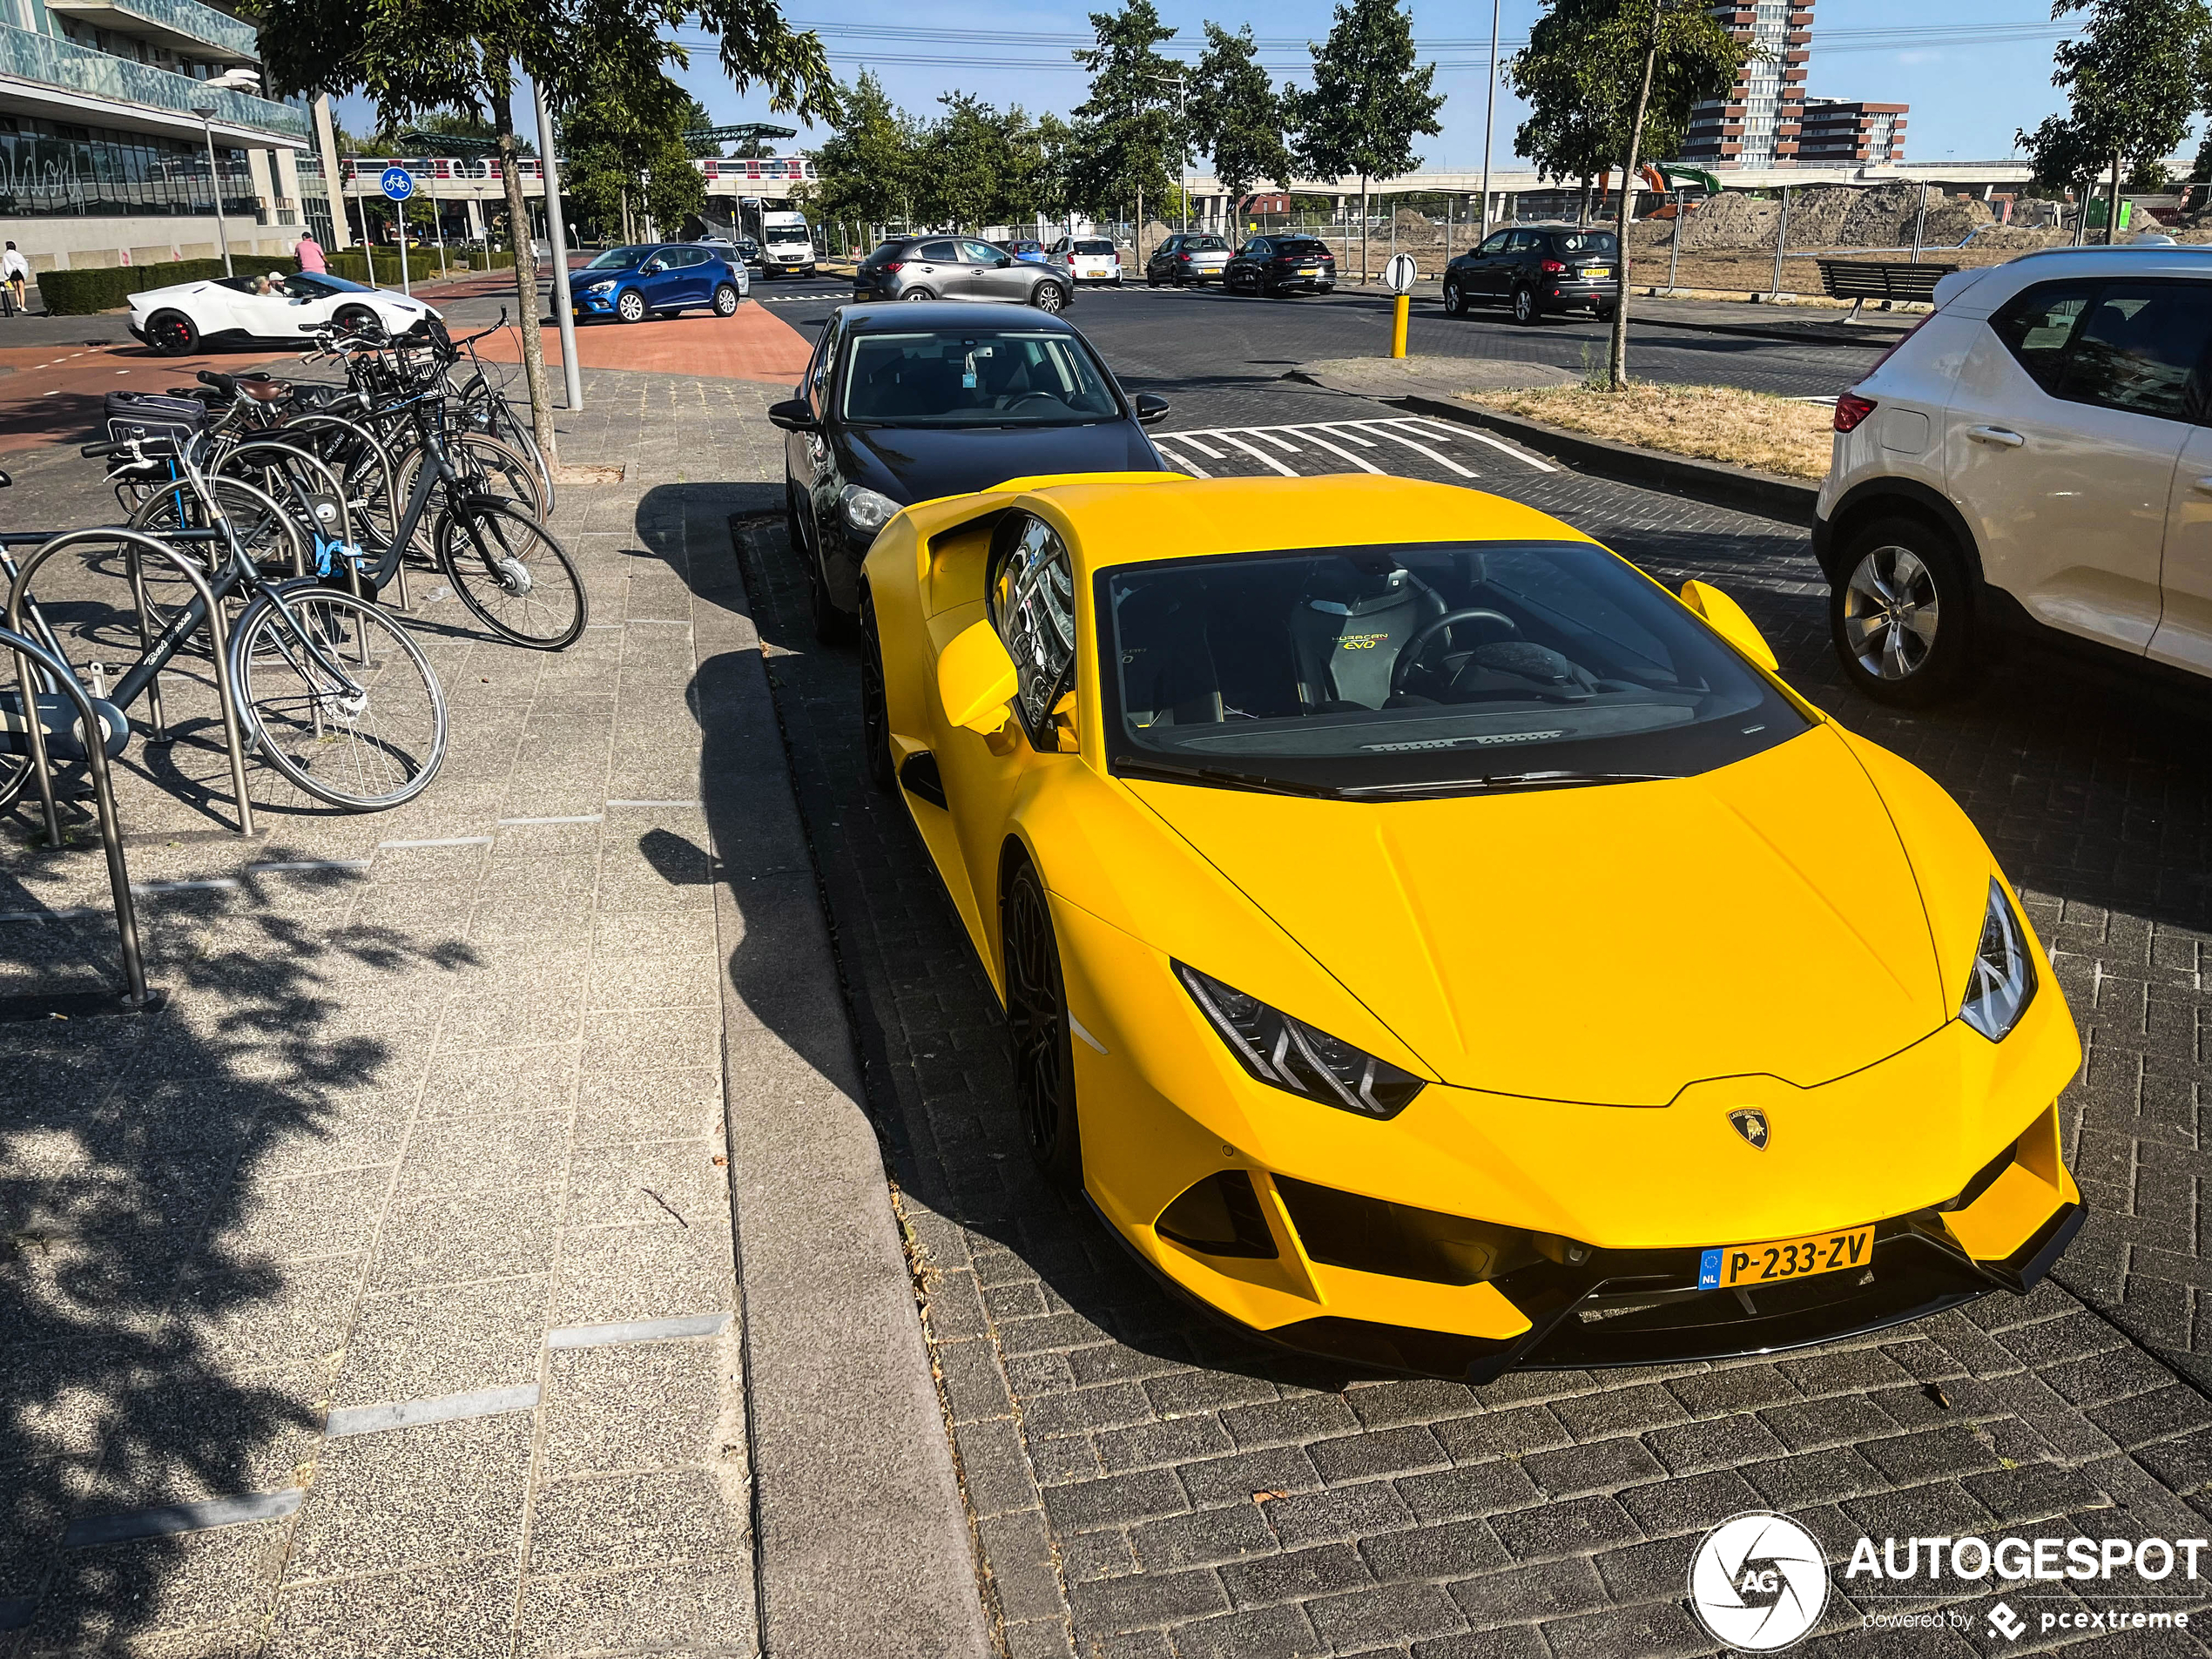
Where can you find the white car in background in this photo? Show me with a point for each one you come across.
(1089, 258)
(227, 310)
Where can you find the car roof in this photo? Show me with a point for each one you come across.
(1977, 291)
(1117, 522)
(884, 316)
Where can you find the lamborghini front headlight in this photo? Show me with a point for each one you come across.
(2001, 982)
(1292, 1056)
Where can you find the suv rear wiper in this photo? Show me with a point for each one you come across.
(1507, 780)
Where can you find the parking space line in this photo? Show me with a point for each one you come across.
(447, 1408)
(1469, 437)
(1192, 439)
(1443, 461)
(183, 1517)
(1260, 455)
(602, 1336)
(1312, 435)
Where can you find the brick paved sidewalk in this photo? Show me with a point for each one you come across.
(379, 1294)
(1146, 1486)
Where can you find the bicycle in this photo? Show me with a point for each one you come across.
(323, 686)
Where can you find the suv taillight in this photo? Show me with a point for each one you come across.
(1850, 409)
(1551, 267)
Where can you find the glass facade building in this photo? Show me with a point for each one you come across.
(51, 170)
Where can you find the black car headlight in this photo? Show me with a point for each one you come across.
(866, 512)
(1292, 1056)
(2001, 983)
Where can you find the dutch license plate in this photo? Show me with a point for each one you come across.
(1309, 270)
(1835, 1252)
(1599, 271)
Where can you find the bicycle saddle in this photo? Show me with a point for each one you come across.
(266, 391)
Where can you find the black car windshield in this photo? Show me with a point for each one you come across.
(1585, 242)
(1425, 670)
(980, 377)
(620, 259)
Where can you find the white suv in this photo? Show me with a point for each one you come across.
(2036, 454)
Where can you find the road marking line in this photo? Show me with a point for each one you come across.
(1191, 438)
(447, 1408)
(1343, 431)
(215, 884)
(1521, 456)
(307, 864)
(1260, 455)
(449, 840)
(1435, 429)
(183, 1517)
(602, 1336)
(581, 818)
(1365, 466)
(695, 806)
(1189, 466)
(1442, 460)
(1269, 432)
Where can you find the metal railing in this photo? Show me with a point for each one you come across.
(186, 18)
(30, 56)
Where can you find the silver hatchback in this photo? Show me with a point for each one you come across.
(957, 268)
(1187, 256)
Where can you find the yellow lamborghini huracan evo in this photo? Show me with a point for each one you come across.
(1432, 944)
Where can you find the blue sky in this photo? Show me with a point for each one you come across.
(1967, 98)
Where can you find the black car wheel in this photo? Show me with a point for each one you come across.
(1902, 617)
(1151, 281)
(917, 293)
(1049, 297)
(725, 301)
(630, 307)
(172, 333)
(1525, 309)
(1455, 303)
(1036, 1026)
(875, 709)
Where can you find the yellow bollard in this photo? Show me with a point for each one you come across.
(1400, 309)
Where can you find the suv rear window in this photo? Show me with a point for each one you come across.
(1303, 248)
(1094, 248)
(1584, 242)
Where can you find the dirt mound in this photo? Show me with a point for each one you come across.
(1885, 216)
(1825, 216)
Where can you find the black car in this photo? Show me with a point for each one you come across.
(1535, 268)
(904, 403)
(1281, 264)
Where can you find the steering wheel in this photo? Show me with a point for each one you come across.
(1426, 634)
(1027, 397)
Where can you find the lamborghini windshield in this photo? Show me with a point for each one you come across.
(1419, 669)
(975, 377)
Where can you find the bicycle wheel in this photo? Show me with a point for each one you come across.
(510, 571)
(271, 538)
(490, 467)
(344, 704)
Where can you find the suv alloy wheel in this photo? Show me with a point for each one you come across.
(1525, 310)
(1900, 619)
(1455, 303)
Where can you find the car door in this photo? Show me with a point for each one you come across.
(1029, 594)
(1251, 262)
(2059, 445)
(809, 457)
(1484, 265)
(2183, 638)
(936, 265)
(695, 276)
(998, 274)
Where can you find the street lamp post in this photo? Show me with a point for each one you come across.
(206, 114)
(1489, 116)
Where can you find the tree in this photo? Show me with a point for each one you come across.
(866, 170)
(1368, 101)
(1235, 116)
(2132, 76)
(418, 56)
(633, 153)
(1124, 130)
(977, 166)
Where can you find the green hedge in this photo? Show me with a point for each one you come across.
(421, 264)
(79, 294)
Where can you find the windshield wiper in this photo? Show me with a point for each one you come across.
(1220, 778)
(1507, 780)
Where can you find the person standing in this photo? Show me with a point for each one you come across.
(15, 270)
(310, 252)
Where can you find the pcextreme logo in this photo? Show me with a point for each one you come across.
(1757, 1581)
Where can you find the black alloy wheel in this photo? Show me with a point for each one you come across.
(875, 709)
(1525, 310)
(1037, 1029)
(1455, 303)
(172, 333)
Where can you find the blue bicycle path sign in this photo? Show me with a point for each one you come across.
(398, 183)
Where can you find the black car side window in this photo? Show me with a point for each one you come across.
(937, 253)
(2038, 326)
(822, 370)
(2140, 347)
(1496, 244)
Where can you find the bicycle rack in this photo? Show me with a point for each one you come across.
(28, 654)
(137, 543)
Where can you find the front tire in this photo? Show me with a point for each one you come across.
(631, 306)
(1902, 617)
(172, 333)
(1048, 299)
(1455, 303)
(1037, 1029)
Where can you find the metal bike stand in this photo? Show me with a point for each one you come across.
(137, 997)
(219, 642)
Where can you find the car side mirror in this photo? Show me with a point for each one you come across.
(975, 678)
(1151, 409)
(792, 414)
(651, 267)
(1005, 260)
(1725, 617)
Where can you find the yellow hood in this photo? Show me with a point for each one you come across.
(1612, 944)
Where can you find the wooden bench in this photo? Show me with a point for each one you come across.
(1860, 280)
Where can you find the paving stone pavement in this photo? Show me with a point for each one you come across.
(377, 1294)
(1145, 1484)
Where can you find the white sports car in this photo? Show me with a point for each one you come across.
(225, 311)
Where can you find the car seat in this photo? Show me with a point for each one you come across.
(1347, 634)
(1167, 672)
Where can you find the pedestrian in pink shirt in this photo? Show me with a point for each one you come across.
(310, 252)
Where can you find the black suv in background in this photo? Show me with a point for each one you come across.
(1280, 264)
(1535, 268)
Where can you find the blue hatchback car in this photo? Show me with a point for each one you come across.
(646, 278)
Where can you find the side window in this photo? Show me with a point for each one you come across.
(2038, 327)
(1032, 594)
(2139, 348)
(1527, 241)
(980, 253)
(937, 253)
(1497, 243)
(822, 370)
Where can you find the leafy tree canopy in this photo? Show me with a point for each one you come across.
(1583, 67)
(1236, 116)
(1125, 129)
(864, 172)
(2131, 77)
(1369, 100)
